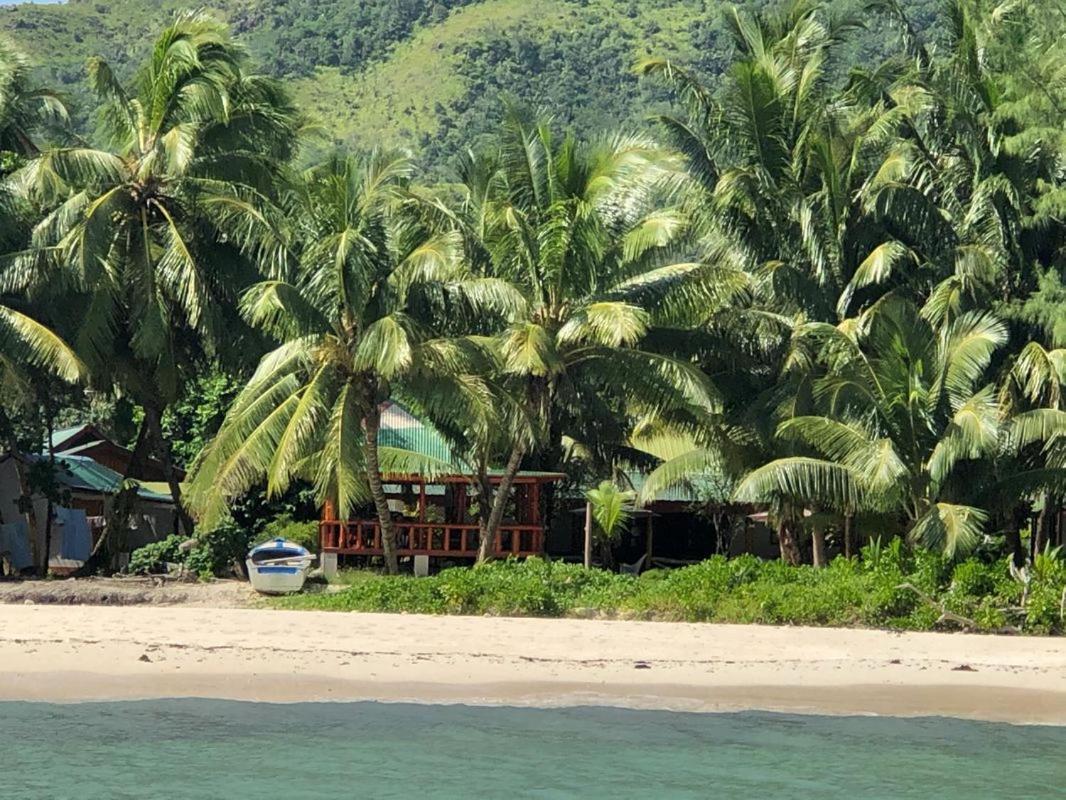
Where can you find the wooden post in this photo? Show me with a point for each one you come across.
(847, 535)
(422, 501)
(588, 534)
(650, 534)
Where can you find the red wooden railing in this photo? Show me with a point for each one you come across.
(363, 537)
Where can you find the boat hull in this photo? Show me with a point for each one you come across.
(276, 578)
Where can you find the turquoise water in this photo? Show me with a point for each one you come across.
(186, 749)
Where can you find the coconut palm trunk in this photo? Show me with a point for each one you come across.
(154, 420)
(47, 555)
(788, 539)
(117, 515)
(818, 554)
(371, 425)
(490, 522)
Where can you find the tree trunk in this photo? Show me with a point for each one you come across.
(718, 518)
(849, 549)
(154, 418)
(42, 570)
(1044, 523)
(789, 542)
(818, 546)
(490, 523)
(1013, 535)
(371, 424)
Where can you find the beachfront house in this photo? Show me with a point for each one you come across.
(435, 516)
(88, 441)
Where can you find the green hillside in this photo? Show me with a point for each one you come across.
(427, 76)
(443, 82)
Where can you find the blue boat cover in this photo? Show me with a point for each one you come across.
(281, 547)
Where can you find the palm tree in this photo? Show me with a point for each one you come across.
(905, 417)
(31, 351)
(26, 110)
(1034, 392)
(920, 181)
(356, 325)
(973, 165)
(158, 233)
(581, 232)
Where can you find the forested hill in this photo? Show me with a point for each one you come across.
(426, 74)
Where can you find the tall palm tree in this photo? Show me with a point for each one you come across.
(584, 233)
(972, 163)
(1034, 392)
(29, 346)
(159, 231)
(356, 326)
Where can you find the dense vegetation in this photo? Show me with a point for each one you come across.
(833, 287)
(428, 76)
(888, 588)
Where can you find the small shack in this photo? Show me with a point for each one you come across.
(77, 525)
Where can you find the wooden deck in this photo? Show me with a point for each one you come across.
(436, 539)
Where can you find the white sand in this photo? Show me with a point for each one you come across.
(58, 653)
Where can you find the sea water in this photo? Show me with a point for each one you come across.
(179, 749)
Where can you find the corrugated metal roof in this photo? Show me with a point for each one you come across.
(81, 472)
(401, 429)
(60, 436)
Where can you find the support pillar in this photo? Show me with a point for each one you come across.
(329, 564)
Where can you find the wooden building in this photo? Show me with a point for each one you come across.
(433, 516)
(88, 441)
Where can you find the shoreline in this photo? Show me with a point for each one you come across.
(94, 653)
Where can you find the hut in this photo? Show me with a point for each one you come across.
(77, 524)
(89, 441)
(435, 515)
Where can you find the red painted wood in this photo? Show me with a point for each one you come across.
(417, 538)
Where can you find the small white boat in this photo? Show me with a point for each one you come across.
(278, 566)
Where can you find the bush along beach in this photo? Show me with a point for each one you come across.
(892, 588)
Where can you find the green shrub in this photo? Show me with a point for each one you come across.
(217, 550)
(154, 556)
(971, 578)
(877, 593)
(284, 526)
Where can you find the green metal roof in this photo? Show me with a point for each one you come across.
(81, 472)
(402, 430)
(61, 435)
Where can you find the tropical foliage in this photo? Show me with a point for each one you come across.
(833, 286)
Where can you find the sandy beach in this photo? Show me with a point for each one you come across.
(75, 653)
